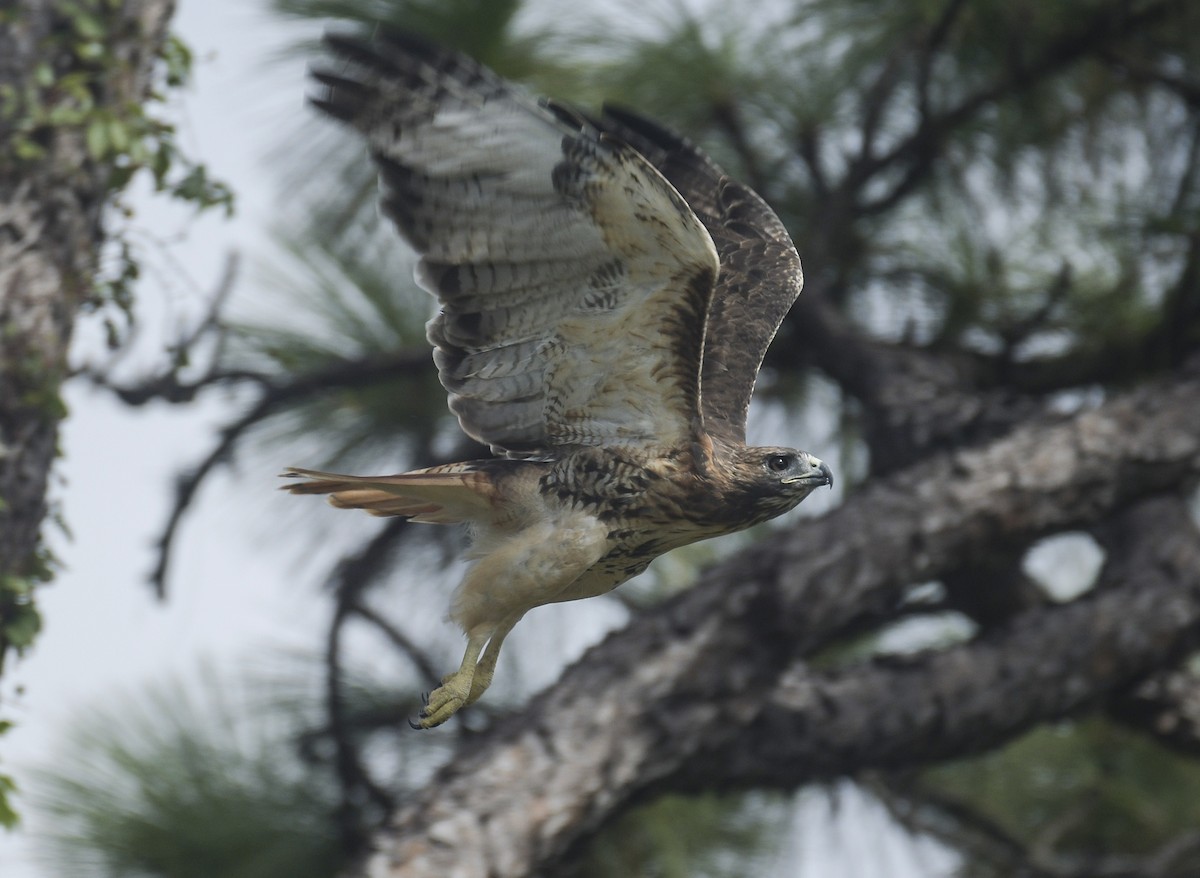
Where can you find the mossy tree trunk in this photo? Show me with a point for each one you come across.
(60, 71)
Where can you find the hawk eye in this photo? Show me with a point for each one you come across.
(779, 462)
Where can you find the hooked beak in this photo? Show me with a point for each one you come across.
(822, 476)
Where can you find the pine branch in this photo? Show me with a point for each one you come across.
(1047, 663)
(275, 394)
(359, 791)
(927, 811)
(917, 153)
(705, 674)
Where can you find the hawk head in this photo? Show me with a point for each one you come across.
(771, 481)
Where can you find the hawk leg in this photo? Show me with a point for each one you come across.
(525, 570)
(463, 687)
(487, 665)
(448, 698)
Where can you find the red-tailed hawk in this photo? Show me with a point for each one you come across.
(607, 294)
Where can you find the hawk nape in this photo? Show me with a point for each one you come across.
(607, 294)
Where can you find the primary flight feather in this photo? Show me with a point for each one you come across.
(607, 295)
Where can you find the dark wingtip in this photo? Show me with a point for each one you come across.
(655, 132)
(372, 47)
(410, 42)
(351, 44)
(332, 108)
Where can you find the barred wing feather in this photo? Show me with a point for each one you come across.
(574, 281)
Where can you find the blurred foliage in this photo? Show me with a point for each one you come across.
(1039, 228)
(9, 819)
(70, 90)
(341, 308)
(237, 779)
(187, 781)
(1079, 788)
(677, 837)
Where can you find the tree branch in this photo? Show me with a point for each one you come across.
(1047, 663)
(274, 396)
(1157, 348)
(916, 153)
(924, 810)
(277, 390)
(690, 678)
(920, 809)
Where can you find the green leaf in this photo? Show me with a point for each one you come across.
(178, 57)
(19, 586)
(23, 625)
(8, 815)
(120, 176)
(160, 165)
(118, 135)
(43, 74)
(90, 50)
(88, 25)
(97, 138)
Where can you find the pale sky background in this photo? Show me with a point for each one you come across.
(237, 591)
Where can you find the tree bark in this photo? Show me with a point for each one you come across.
(51, 231)
(696, 677)
(1167, 706)
(906, 713)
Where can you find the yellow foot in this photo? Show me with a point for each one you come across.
(479, 684)
(445, 701)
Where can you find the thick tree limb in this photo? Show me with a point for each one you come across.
(942, 705)
(691, 677)
(1153, 569)
(1167, 704)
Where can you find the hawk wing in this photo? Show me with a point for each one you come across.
(574, 280)
(760, 274)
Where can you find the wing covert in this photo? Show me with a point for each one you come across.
(760, 276)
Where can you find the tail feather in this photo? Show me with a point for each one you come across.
(440, 495)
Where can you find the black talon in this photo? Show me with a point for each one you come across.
(413, 725)
(425, 698)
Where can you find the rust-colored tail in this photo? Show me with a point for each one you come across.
(439, 495)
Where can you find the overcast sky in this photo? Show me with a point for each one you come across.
(233, 593)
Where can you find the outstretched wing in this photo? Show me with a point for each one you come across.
(574, 280)
(760, 273)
